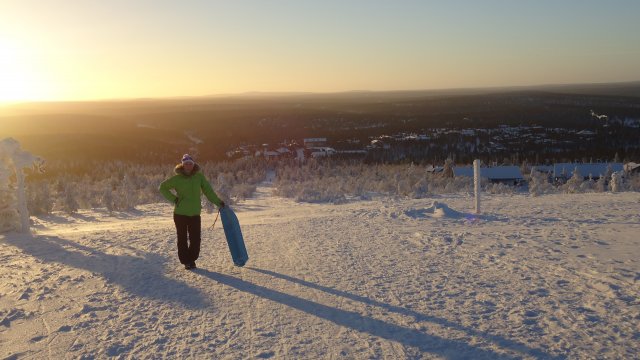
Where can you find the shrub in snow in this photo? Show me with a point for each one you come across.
(588, 185)
(633, 182)
(403, 187)
(108, 200)
(600, 185)
(319, 193)
(39, 199)
(126, 193)
(68, 202)
(573, 185)
(119, 186)
(335, 181)
(499, 188)
(440, 185)
(237, 180)
(420, 189)
(242, 191)
(539, 184)
(448, 169)
(607, 174)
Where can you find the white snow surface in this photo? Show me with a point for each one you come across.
(554, 276)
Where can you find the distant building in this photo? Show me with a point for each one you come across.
(545, 169)
(317, 152)
(271, 154)
(379, 144)
(434, 169)
(632, 168)
(283, 150)
(564, 171)
(315, 142)
(498, 174)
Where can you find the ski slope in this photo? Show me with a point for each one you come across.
(554, 277)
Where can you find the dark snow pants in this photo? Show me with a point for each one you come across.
(188, 228)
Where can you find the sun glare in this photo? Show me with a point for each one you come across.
(19, 80)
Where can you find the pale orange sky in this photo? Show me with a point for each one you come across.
(79, 50)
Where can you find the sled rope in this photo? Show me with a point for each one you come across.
(214, 221)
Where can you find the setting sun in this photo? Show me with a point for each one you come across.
(19, 77)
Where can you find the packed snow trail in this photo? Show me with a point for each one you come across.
(546, 277)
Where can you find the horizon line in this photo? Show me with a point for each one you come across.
(302, 93)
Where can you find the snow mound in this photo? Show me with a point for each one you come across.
(436, 210)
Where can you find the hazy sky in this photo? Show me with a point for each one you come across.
(89, 49)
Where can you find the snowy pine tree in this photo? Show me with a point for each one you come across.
(68, 202)
(127, 195)
(601, 184)
(420, 189)
(448, 169)
(108, 200)
(9, 216)
(573, 184)
(615, 182)
(12, 162)
(39, 199)
(539, 183)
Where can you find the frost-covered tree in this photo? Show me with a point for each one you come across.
(539, 183)
(615, 183)
(601, 184)
(68, 202)
(588, 185)
(447, 172)
(420, 189)
(9, 216)
(13, 162)
(126, 193)
(573, 184)
(633, 182)
(108, 200)
(40, 201)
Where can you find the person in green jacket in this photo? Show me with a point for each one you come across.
(188, 184)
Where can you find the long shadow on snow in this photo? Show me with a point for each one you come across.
(502, 342)
(450, 349)
(139, 276)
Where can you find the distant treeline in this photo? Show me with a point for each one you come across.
(119, 186)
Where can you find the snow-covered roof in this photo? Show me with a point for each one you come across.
(434, 169)
(313, 140)
(631, 166)
(493, 173)
(595, 170)
(543, 168)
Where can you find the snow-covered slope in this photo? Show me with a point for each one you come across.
(553, 276)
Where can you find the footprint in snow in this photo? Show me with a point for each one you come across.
(64, 328)
(266, 355)
(541, 292)
(37, 339)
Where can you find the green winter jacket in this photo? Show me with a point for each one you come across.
(187, 191)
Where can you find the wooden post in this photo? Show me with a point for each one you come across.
(476, 184)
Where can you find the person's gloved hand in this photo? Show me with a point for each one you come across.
(221, 204)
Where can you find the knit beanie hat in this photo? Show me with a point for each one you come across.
(186, 158)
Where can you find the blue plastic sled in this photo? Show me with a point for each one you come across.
(234, 236)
